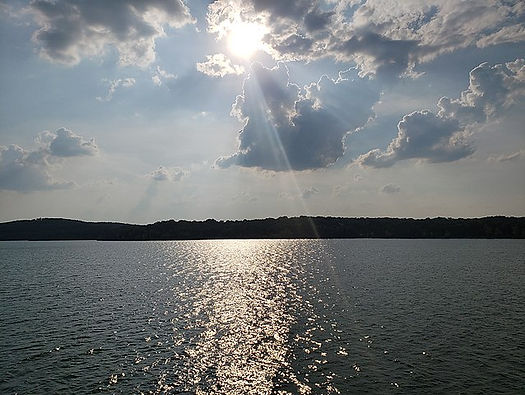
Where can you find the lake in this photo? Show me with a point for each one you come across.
(263, 316)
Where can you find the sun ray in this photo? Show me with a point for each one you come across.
(281, 157)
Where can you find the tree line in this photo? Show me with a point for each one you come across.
(269, 228)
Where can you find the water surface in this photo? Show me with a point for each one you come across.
(263, 316)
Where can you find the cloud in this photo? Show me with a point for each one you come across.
(288, 128)
(509, 157)
(383, 37)
(316, 20)
(160, 75)
(114, 85)
(70, 30)
(507, 34)
(376, 54)
(29, 170)
(161, 174)
(219, 65)
(396, 36)
(391, 189)
(65, 143)
(291, 26)
(168, 174)
(491, 90)
(443, 137)
(422, 135)
(281, 9)
(26, 171)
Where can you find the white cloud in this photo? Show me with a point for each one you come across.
(515, 156)
(284, 20)
(218, 65)
(443, 137)
(70, 30)
(168, 174)
(492, 89)
(383, 37)
(160, 174)
(414, 31)
(114, 85)
(156, 80)
(160, 76)
(507, 34)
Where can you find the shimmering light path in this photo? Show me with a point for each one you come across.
(262, 316)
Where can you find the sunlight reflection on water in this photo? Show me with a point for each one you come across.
(240, 317)
(239, 314)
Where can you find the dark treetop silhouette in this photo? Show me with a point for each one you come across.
(269, 228)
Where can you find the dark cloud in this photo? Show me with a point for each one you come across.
(283, 9)
(317, 20)
(286, 128)
(294, 44)
(73, 29)
(377, 54)
(443, 137)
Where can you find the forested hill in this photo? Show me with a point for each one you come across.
(269, 228)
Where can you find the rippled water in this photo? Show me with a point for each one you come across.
(263, 316)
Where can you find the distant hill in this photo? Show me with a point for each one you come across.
(269, 228)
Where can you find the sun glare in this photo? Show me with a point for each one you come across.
(245, 39)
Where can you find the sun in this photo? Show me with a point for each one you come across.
(244, 39)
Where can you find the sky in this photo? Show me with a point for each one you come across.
(139, 111)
